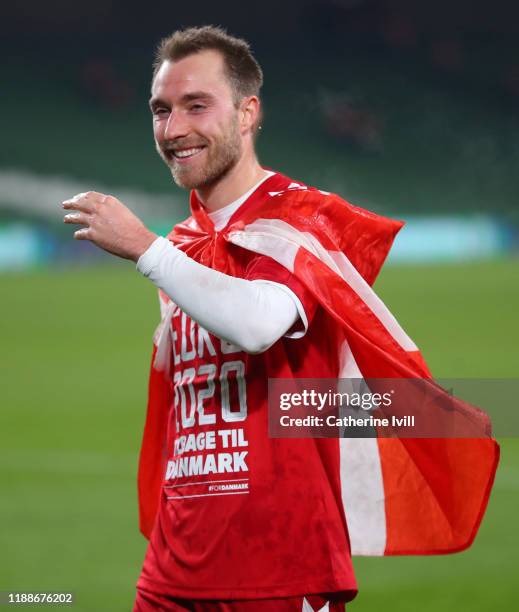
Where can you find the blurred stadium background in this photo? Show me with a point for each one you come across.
(409, 109)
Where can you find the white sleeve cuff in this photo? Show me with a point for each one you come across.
(151, 257)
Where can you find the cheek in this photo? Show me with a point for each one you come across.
(159, 128)
(203, 126)
(211, 124)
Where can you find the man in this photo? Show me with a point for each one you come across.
(256, 285)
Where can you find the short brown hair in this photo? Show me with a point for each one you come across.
(242, 69)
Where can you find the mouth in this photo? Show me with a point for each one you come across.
(184, 155)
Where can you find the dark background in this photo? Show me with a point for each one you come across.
(400, 106)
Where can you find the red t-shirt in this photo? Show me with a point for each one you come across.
(242, 515)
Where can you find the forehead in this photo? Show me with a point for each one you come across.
(203, 71)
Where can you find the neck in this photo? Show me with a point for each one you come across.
(242, 177)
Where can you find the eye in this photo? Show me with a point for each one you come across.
(160, 111)
(197, 107)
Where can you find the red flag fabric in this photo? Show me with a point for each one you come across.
(400, 496)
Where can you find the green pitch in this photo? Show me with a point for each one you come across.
(75, 351)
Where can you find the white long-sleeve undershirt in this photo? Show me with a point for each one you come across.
(252, 314)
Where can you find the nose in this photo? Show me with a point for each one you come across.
(176, 126)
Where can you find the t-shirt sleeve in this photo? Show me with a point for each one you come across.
(266, 269)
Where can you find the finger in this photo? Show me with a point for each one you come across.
(79, 196)
(77, 218)
(83, 201)
(83, 234)
(85, 206)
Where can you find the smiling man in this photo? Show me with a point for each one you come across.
(267, 278)
(223, 534)
(200, 118)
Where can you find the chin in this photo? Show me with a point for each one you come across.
(200, 178)
(186, 182)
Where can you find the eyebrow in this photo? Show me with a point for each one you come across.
(188, 97)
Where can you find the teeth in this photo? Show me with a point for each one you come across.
(187, 152)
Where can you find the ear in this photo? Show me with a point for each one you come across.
(249, 114)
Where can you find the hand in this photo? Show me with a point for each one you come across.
(109, 224)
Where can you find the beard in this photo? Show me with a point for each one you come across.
(221, 156)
